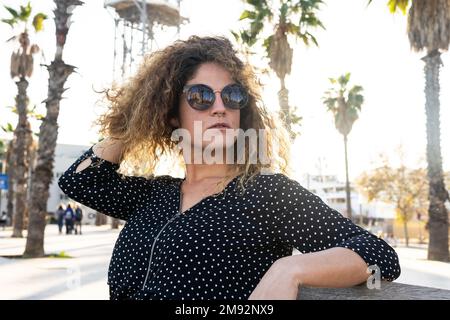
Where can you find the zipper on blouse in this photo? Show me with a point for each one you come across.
(156, 238)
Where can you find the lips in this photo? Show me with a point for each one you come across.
(219, 125)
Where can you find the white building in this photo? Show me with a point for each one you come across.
(65, 155)
(332, 192)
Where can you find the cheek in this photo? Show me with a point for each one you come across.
(188, 116)
(186, 120)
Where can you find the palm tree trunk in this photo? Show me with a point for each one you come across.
(438, 216)
(100, 219)
(405, 230)
(114, 223)
(347, 182)
(31, 154)
(48, 132)
(361, 220)
(283, 99)
(20, 172)
(10, 164)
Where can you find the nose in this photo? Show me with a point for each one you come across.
(218, 106)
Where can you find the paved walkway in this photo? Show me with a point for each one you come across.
(84, 276)
(417, 270)
(81, 277)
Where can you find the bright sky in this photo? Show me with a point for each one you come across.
(366, 41)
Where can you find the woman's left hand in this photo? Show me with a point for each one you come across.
(278, 283)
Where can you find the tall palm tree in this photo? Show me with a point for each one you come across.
(294, 20)
(21, 69)
(345, 104)
(10, 163)
(429, 31)
(59, 71)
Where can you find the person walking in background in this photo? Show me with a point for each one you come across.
(4, 219)
(60, 212)
(78, 218)
(69, 216)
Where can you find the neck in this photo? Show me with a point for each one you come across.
(200, 172)
(198, 169)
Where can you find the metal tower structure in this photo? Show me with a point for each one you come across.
(135, 33)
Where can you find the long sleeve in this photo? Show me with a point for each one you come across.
(101, 188)
(308, 224)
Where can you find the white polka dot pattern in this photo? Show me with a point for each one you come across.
(221, 247)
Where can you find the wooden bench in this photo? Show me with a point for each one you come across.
(387, 291)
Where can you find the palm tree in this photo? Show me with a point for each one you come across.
(429, 31)
(294, 19)
(21, 68)
(59, 71)
(11, 162)
(345, 105)
(100, 219)
(115, 223)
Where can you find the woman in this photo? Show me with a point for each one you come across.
(60, 212)
(68, 219)
(225, 230)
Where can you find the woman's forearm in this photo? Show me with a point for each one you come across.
(335, 267)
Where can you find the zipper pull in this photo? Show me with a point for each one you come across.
(178, 214)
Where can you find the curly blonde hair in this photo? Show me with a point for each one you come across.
(140, 109)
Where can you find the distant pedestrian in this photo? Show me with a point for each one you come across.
(78, 218)
(69, 217)
(4, 219)
(60, 214)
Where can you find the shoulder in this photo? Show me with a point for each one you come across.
(274, 180)
(152, 181)
(280, 184)
(165, 180)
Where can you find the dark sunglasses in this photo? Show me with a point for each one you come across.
(202, 97)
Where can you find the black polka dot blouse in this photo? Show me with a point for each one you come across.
(221, 247)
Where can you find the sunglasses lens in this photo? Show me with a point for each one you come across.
(234, 96)
(200, 97)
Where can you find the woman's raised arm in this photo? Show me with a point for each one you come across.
(93, 180)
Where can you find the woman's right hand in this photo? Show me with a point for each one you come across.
(109, 149)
